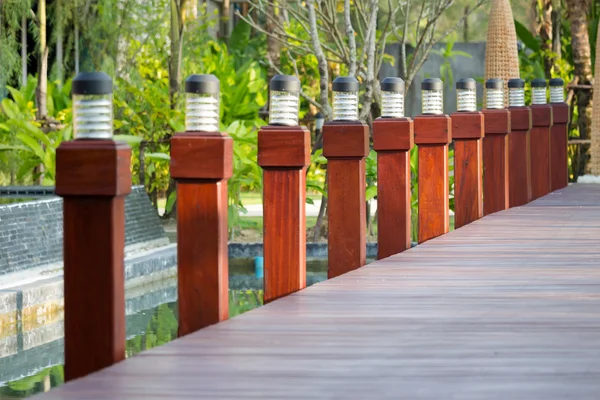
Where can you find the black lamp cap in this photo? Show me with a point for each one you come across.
(432, 84)
(92, 83)
(516, 83)
(494, 83)
(285, 83)
(391, 84)
(538, 83)
(345, 84)
(557, 82)
(466, 83)
(202, 84)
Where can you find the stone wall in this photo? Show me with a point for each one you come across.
(31, 234)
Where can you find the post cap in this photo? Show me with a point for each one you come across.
(345, 84)
(494, 83)
(557, 82)
(466, 83)
(202, 84)
(432, 84)
(285, 83)
(538, 83)
(516, 83)
(92, 83)
(392, 84)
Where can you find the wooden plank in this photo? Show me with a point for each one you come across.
(559, 168)
(540, 149)
(468, 200)
(495, 160)
(505, 306)
(202, 263)
(434, 215)
(519, 157)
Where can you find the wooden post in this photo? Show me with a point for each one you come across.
(433, 134)
(284, 155)
(495, 149)
(467, 133)
(345, 145)
(559, 133)
(519, 144)
(542, 119)
(93, 177)
(392, 139)
(201, 163)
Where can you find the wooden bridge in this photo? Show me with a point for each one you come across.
(505, 307)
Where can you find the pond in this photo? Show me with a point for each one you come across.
(41, 366)
(31, 353)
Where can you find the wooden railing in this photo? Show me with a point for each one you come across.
(495, 150)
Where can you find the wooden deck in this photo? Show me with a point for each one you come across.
(505, 308)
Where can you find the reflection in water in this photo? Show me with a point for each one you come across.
(146, 329)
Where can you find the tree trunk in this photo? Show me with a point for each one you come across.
(580, 42)
(24, 50)
(42, 88)
(176, 46)
(544, 30)
(60, 73)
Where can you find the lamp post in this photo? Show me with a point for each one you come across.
(201, 163)
(93, 177)
(495, 149)
(433, 134)
(519, 143)
(393, 137)
(542, 120)
(558, 135)
(467, 133)
(284, 155)
(345, 145)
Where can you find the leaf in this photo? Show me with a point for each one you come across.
(34, 132)
(129, 139)
(527, 37)
(371, 192)
(5, 147)
(157, 156)
(309, 201)
(32, 145)
(171, 201)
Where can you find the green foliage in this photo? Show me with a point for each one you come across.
(448, 54)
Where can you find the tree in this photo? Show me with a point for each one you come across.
(580, 43)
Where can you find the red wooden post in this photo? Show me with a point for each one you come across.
(393, 137)
(467, 133)
(93, 177)
(433, 134)
(519, 143)
(558, 136)
(495, 149)
(345, 145)
(541, 116)
(284, 154)
(201, 163)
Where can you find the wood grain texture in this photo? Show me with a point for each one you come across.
(433, 129)
(506, 307)
(434, 217)
(519, 172)
(284, 146)
(468, 171)
(497, 121)
(345, 145)
(345, 139)
(559, 168)
(346, 213)
(201, 155)
(392, 139)
(467, 125)
(393, 203)
(284, 221)
(540, 161)
(93, 168)
(202, 262)
(93, 252)
(495, 165)
(391, 134)
(519, 157)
